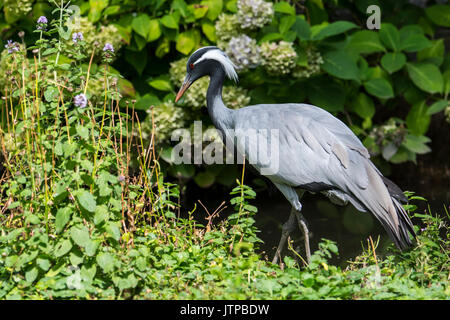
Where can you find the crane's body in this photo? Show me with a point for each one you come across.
(316, 152)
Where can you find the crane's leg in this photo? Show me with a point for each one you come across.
(302, 224)
(287, 228)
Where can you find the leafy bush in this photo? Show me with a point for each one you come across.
(385, 84)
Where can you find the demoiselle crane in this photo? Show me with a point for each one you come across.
(316, 152)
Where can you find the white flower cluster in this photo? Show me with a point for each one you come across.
(314, 61)
(254, 14)
(227, 27)
(278, 59)
(244, 52)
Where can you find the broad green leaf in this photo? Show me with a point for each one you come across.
(301, 27)
(286, 23)
(86, 200)
(379, 87)
(154, 30)
(106, 261)
(365, 41)
(414, 42)
(418, 120)
(214, 8)
(438, 106)
(393, 61)
(333, 29)
(284, 7)
(82, 131)
(101, 214)
(185, 42)
(363, 106)
(426, 76)
(62, 217)
(439, 14)
(161, 84)
(446, 77)
(209, 30)
(433, 54)
(62, 248)
(146, 101)
(140, 25)
(31, 274)
(80, 235)
(96, 8)
(340, 64)
(390, 36)
(416, 144)
(169, 22)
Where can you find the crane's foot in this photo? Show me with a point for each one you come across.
(287, 228)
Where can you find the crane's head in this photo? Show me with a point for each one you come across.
(206, 61)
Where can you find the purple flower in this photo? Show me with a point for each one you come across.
(42, 23)
(77, 36)
(12, 46)
(80, 100)
(108, 47)
(42, 19)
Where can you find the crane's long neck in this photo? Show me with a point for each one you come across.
(221, 116)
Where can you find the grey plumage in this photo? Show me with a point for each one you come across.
(317, 152)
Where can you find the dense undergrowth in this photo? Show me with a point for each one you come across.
(79, 221)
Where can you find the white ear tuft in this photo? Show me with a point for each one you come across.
(223, 59)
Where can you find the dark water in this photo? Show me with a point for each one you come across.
(342, 224)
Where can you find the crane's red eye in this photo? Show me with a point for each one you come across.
(191, 66)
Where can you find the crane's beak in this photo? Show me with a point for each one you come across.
(186, 84)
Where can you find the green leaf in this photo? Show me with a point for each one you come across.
(416, 144)
(80, 235)
(106, 261)
(62, 217)
(185, 42)
(365, 41)
(62, 248)
(161, 84)
(333, 29)
(414, 42)
(363, 106)
(301, 27)
(31, 274)
(433, 54)
(146, 101)
(169, 22)
(284, 7)
(96, 7)
(140, 25)
(390, 36)
(82, 131)
(438, 106)
(418, 120)
(439, 14)
(426, 76)
(209, 30)
(379, 87)
(286, 23)
(87, 201)
(154, 30)
(340, 64)
(393, 61)
(214, 8)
